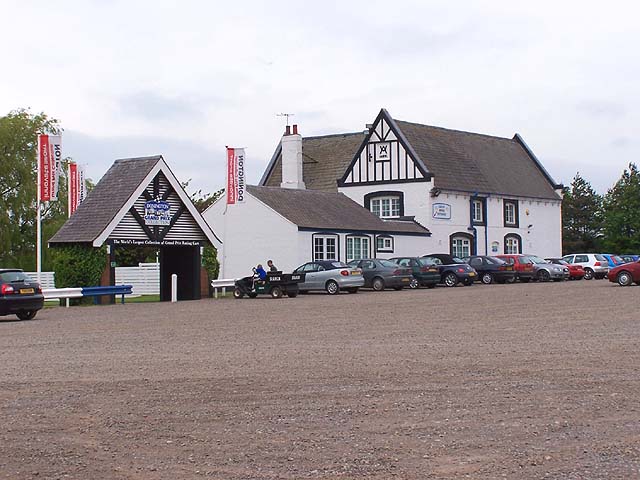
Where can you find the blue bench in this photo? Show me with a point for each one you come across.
(97, 292)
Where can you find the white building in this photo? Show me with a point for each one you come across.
(477, 194)
(415, 189)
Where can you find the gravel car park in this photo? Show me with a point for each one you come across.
(515, 381)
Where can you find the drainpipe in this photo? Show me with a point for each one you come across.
(471, 228)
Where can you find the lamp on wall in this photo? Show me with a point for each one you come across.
(435, 192)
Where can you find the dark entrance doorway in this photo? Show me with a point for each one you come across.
(184, 261)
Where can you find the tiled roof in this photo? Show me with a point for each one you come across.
(474, 162)
(314, 209)
(107, 198)
(324, 160)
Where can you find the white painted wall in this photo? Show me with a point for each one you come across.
(252, 233)
(543, 239)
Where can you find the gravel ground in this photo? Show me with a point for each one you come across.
(502, 381)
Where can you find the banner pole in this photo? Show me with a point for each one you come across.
(38, 218)
(68, 189)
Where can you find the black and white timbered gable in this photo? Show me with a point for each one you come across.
(385, 156)
(138, 202)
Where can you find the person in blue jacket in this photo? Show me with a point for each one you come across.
(262, 274)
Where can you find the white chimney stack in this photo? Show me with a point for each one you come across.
(292, 159)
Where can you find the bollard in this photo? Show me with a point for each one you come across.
(174, 288)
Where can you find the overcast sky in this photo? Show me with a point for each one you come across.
(184, 79)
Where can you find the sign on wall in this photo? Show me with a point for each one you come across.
(235, 176)
(442, 211)
(157, 212)
(383, 151)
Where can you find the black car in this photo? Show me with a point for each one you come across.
(425, 274)
(453, 270)
(379, 274)
(491, 269)
(19, 295)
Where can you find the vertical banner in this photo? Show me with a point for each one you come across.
(73, 188)
(235, 176)
(55, 156)
(44, 167)
(82, 186)
(49, 164)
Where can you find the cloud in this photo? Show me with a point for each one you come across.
(157, 108)
(602, 108)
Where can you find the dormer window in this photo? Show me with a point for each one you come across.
(385, 204)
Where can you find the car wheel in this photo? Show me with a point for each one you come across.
(377, 284)
(397, 288)
(276, 292)
(588, 274)
(487, 279)
(624, 278)
(414, 284)
(353, 290)
(28, 315)
(237, 293)
(544, 276)
(450, 279)
(332, 287)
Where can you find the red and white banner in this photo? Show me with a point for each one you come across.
(77, 186)
(49, 164)
(235, 176)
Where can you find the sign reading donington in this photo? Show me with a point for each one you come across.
(235, 176)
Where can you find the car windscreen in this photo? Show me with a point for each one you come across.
(388, 264)
(618, 259)
(601, 258)
(495, 261)
(338, 265)
(12, 277)
(429, 261)
(457, 260)
(536, 260)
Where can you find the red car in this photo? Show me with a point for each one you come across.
(576, 271)
(522, 265)
(626, 274)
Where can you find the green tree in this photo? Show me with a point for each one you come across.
(581, 217)
(18, 144)
(622, 213)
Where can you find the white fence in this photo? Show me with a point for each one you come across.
(145, 279)
(47, 279)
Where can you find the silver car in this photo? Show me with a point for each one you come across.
(330, 276)
(545, 271)
(594, 264)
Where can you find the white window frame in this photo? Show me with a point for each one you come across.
(511, 245)
(387, 244)
(459, 250)
(478, 214)
(378, 208)
(324, 241)
(510, 208)
(363, 249)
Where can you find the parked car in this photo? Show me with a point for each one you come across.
(453, 270)
(626, 274)
(544, 271)
(576, 272)
(19, 294)
(630, 257)
(331, 276)
(613, 260)
(491, 269)
(380, 274)
(594, 264)
(522, 264)
(425, 273)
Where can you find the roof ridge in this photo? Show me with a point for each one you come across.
(456, 130)
(346, 134)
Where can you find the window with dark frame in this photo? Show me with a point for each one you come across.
(510, 213)
(384, 244)
(478, 211)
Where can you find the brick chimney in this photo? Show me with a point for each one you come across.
(292, 159)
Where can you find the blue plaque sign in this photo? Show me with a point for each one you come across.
(157, 212)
